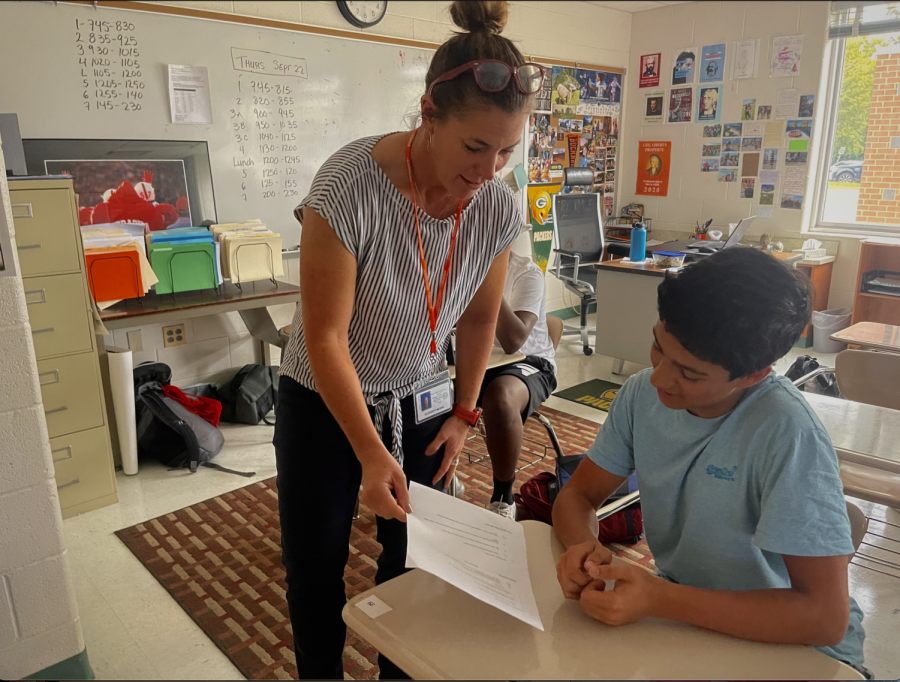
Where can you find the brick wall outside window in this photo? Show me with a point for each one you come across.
(881, 166)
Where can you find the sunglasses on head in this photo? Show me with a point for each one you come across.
(492, 75)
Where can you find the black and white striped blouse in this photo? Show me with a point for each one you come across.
(389, 333)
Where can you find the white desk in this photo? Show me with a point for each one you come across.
(862, 434)
(498, 359)
(436, 631)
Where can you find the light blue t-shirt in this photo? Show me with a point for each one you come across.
(723, 499)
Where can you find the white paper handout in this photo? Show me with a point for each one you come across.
(745, 62)
(189, 99)
(786, 51)
(473, 549)
(787, 103)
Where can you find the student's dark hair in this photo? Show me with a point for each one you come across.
(482, 23)
(740, 309)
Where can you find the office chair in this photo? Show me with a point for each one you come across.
(578, 231)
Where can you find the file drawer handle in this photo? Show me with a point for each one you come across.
(43, 331)
(70, 483)
(58, 409)
(52, 373)
(24, 247)
(28, 207)
(67, 449)
(39, 292)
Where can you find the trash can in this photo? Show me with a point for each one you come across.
(825, 323)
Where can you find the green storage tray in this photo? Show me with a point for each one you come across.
(183, 267)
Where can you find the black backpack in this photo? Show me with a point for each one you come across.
(166, 430)
(250, 395)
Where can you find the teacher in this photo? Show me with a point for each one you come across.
(405, 236)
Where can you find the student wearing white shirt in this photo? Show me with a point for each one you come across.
(509, 394)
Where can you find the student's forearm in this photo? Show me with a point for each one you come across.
(782, 616)
(474, 340)
(512, 332)
(574, 519)
(338, 384)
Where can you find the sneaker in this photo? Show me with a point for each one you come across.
(500, 508)
(456, 487)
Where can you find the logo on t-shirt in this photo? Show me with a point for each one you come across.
(724, 473)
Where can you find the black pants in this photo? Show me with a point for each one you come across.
(318, 483)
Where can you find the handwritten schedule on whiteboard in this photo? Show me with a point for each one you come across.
(109, 58)
(265, 123)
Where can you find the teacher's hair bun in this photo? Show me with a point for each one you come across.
(480, 17)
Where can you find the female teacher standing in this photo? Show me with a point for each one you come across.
(405, 236)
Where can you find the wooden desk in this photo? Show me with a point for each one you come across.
(861, 434)
(436, 631)
(251, 303)
(871, 335)
(498, 359)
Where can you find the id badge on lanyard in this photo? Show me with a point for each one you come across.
(433, 397)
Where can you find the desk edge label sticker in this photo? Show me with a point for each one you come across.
(373, 607)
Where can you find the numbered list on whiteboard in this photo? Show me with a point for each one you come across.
(109, 57)
(264, 123)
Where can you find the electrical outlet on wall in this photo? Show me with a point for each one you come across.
(173, 336)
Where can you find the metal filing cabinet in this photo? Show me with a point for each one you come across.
(48, 240)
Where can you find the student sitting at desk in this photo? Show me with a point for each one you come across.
(509, 394)
(742, 502)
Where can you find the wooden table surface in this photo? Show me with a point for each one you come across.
(870, 335)
(153, 308)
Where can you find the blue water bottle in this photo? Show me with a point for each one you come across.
(638, 244)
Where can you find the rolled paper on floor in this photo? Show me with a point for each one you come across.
(121, 379)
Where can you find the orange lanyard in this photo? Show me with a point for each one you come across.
(434, 309)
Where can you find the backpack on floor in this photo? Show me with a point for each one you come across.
(175, 436)
(250, 395)
(536, 497)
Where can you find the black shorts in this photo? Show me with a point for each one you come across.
(535, 372)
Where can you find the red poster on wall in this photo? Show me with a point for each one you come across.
(573, 142)
(654, 159)
(650, 67)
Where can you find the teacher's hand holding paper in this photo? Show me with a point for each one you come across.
(574, 566)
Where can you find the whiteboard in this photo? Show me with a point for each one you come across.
(282, 101)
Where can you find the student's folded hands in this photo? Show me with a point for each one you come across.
(574, 564)
(634, 596)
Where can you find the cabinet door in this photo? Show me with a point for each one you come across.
(58, 314)
(70, 390)
(45, 231)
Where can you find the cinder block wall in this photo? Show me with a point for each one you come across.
(38, 617)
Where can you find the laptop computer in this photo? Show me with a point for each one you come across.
(697, 247)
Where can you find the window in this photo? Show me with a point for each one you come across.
(859, 175)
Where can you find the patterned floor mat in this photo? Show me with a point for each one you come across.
(221, 559)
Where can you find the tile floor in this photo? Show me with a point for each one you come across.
(134, 630)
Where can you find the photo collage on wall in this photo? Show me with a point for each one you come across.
(579, 127)
(746, 151)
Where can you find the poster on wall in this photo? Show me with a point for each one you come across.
(786, 51)
(565, 93)
(573, 144)
(654, 101)
(709, 103)
(654, 159)
(745, 60)
(680, 105)
(542, 102)
(540, 204)
(712, 63)
(683, 69)
(650, 70)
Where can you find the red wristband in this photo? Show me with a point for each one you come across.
(468, 416)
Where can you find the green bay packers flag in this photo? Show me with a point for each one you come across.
(540, 203)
